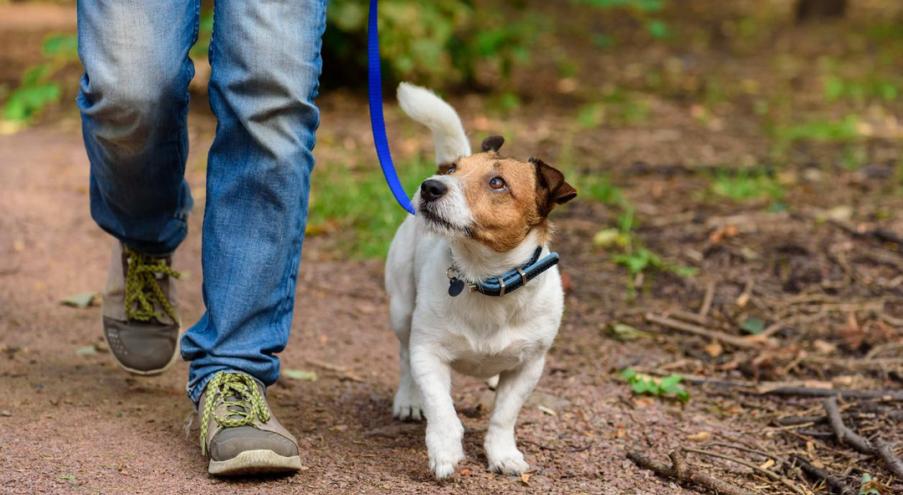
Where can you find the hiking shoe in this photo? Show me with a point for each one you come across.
(140, 322)
(239, 433)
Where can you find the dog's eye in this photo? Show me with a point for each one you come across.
(451, 169)
(497, 183)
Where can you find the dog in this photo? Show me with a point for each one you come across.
(472, 285)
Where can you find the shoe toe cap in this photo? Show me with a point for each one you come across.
(141, 347)
(230, 442)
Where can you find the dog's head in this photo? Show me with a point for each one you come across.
(492, 199)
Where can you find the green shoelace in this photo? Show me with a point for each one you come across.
(244, 404)
(142, 289)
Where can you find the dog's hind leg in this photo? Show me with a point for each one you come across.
(401, 288)
(513, 389)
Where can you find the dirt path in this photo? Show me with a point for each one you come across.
(792, 246)
(75, 423)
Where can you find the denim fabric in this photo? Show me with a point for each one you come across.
(265, 58)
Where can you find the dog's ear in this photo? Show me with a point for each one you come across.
(492, 143)
(445, 167)
(551, 188)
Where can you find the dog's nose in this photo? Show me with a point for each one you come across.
(432, 189)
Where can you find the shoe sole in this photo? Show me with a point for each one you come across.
(134, 371)
(255, 462)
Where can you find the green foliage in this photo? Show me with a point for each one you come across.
(836, 88)
(868, 485)
(753, 325)
(205, 33)
(820, 130)
(645, 9)
(596, 187)
(744, 186)
(358, 204)
(37, 88)
(634, 256)
(638, 5)
(667, 387)
(435, 43)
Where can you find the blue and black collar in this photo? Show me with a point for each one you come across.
(505, 283)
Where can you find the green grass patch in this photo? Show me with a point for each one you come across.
(820, 130)
(745, 186)
(37, 88)
(358, 203)
(632, 254)
(668, 387)
(595, 186)
(869, 89)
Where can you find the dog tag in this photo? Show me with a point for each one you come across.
(455, 286)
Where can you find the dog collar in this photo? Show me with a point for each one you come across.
(505, 283)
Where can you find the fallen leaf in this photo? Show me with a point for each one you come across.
(546, 410)
(714, 349)
(87, 350)
(525, 479)
(824, 347)
(81, 300)
(702, 436)
(606, 238)
(295, 374)
(624, 332)
(753, 325)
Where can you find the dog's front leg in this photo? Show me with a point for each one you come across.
(513, 389)
(443, 428)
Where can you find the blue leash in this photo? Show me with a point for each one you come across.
(375, 90)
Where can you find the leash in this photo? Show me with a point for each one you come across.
(377, 123)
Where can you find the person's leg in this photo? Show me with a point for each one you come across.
(134, 99)
(266, 64)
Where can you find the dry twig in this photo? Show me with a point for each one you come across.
(835, 484)
(847, 436)
(704, 332)
(770, 474)
(684, 474)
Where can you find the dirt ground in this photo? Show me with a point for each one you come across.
(824, 273)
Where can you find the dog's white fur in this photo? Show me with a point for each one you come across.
(473, 333)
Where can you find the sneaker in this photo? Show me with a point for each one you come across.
(239, 433)
(140, 322)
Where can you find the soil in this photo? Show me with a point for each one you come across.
(818, 269)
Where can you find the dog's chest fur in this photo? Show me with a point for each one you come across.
(483, 335)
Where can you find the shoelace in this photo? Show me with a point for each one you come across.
(244, 404)
(142, 289)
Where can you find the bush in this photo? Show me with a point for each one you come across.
(436, 43)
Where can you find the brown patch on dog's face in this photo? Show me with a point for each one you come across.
(507, 198)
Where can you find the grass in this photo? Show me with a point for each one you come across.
(595, 187)
(668, 387)
(820, 130)
(745, 186)
(357, 204)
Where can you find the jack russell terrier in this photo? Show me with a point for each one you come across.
(472, 285)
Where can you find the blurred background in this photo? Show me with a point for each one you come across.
(739, 170)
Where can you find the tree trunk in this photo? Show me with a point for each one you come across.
(813, 10)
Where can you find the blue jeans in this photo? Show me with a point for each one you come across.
(265, 58)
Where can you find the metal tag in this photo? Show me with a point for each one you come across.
(455, 286)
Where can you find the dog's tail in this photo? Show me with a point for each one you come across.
(425, 107)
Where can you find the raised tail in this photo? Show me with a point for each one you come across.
(426, 107)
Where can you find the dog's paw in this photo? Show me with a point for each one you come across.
(445, 449)
(408, 405)
(508, 461)
(443, 465)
